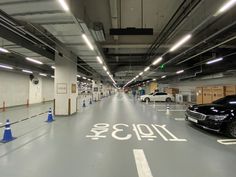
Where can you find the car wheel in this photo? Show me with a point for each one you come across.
(147, 99)
(168, 99)
(231, 129)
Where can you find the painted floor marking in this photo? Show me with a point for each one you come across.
(180, 119)
(142, 163)
(177, 110)
(227, 141)
(123, 132)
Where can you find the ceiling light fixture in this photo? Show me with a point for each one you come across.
(214, 61)
(104, 67)
(42, 74)
(163, 77)
(6, 67)
(4, 50)
(64, 5)
(141, 73)
(157, 61)
(52, 76)
(87, 41)
(53, 67)
(181, 42)
(99, 60)
(180, 71)
(146, 69)
(27, 71)
(227, 6)
(154, 79)
(34, 61)
(84, 78)
(78, 75)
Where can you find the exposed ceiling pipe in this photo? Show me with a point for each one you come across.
(228, 40)
(25, 32)
(16, 32)
(192, 76)
(114, 15)
(201, 42)
(181, 18)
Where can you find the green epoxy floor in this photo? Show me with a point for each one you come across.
(68, 147)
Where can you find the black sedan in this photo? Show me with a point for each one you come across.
(218, 116)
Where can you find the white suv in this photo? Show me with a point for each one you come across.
(157, 96)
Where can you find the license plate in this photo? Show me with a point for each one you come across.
(192, 120)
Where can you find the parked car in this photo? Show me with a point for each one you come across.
(219, 116)
(157, 96)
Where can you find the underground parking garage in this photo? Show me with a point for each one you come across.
(111, 88)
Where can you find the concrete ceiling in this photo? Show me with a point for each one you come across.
(126, 56)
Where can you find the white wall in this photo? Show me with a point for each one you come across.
(47, 89)
(16, 89)
(35, 92)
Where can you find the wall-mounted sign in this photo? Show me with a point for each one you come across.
(73, 88)
(61, 88)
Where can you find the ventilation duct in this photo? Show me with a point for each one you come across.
(98, 32)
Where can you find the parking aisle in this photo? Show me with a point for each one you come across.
(117, 137)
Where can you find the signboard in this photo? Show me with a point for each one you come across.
(73, 88)
(61, 88)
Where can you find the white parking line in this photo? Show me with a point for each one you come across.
(177, 110)
(227, 141)
(141, 163)
(180, 119)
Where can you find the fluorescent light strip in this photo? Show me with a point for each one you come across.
(87, 41)
(78, 75)
(99, 60)
(141, 73)
(34, 61)
(42, 74)
(64, 5)
(52, 76)
(157, 61)
(4, 50)
(227, 6)
(214, 61)
(6, 67)
(181, 42)
(163, 77)
(84, 78)
(154, 79)
(146, 69)
(181, 71)
(27, 71)
(104, 67)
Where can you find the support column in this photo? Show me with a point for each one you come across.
(66, 89)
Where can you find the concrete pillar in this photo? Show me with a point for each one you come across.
(66, 88)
